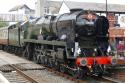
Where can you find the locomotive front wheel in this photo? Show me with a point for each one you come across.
(98, 70)
(80, 73)
(77, 74)
(35, 58)
(42, 59)
(46, 60)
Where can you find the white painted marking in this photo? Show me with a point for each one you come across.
(3, 79)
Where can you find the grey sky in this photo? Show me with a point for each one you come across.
(5, 5)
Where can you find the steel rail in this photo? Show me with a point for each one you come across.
(23, 74)
(111, 79)
(64, 75)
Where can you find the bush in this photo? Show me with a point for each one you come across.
(3, 24)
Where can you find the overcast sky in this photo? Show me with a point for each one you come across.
(5, 5)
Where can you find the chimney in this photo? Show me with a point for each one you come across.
(40, 5)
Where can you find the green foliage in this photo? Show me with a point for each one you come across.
(3, 24)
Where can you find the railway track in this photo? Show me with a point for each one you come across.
(103, 79)
(118, 74)
(23, 74)
(112, 80)
(66, 76)
(16, 74)
(30, 73)
(35, 73)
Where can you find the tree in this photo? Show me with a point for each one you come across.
(3, 24)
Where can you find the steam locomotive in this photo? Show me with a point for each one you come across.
(75, 43)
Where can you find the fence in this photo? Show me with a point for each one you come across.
(13, 17)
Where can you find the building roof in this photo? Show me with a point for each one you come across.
(99, 7)
(54, 6)
(16, 8)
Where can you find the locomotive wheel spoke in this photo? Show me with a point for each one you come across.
(26, 53)
(98, 70)
(78, 74)
(56, 65)
(45, 61)
(62, 69)
(39, 55)
(42, 58)
(35, 58)
(51, 63)
(35, 54)
(38, 60)
(73, 73)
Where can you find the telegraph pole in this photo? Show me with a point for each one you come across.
(106, 8)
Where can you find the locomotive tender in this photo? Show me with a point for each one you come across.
(75, 43)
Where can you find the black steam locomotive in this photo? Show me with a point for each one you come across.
(75, 43)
